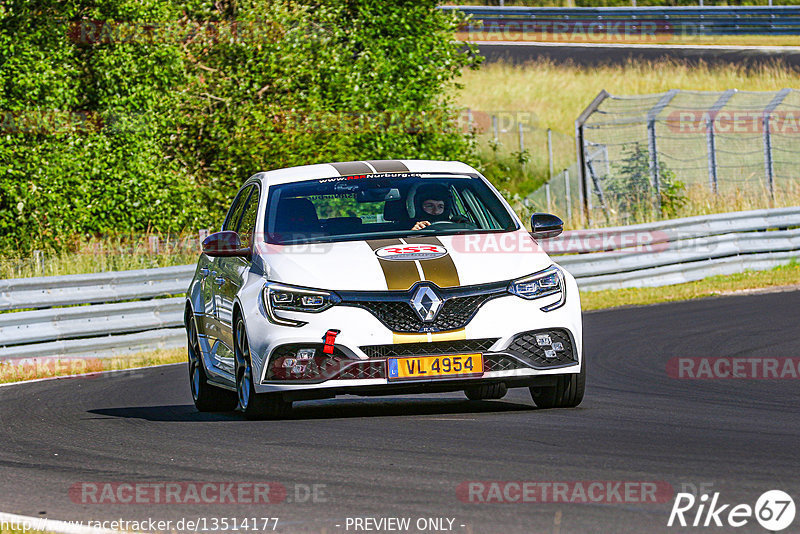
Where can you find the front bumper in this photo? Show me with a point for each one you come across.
(503, 330)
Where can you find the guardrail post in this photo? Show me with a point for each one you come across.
(711, 141)
(580, 148)
(769, 169)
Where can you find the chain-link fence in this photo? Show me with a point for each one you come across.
(684, 153)
(515, 152)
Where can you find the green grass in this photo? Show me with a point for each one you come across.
(556, 94)
(100, 254)
(786, 275)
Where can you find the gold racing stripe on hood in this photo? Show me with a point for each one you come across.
(441, 271)
(399, 275)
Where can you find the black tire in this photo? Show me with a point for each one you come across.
(567, 393)
(254, 405)
(207, 398)
(486, 391)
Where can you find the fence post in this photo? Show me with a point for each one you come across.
(494, 128)
(655, 172)
(521, 145)
(38, 260)
(580, 149)
(769, 168)
(567, 194)
(712, 155)
(550, 159)
(655, 168)
(711, 141)
(598, 190)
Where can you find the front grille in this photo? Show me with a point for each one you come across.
(459, 346)
(501, 362)
(394, 310)
(526, 345)
(362, 370)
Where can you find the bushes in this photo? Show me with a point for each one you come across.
(160, 123)
(631, 191)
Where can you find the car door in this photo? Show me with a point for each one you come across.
(231, 272)
(219, 336)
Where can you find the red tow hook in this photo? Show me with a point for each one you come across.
(329, 338)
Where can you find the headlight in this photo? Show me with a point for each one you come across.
(298, 299)
(542, 284)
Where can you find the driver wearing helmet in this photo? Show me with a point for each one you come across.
(432, 203)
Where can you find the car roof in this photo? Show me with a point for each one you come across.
(349, 168)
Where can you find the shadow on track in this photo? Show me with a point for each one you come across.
(328, 409)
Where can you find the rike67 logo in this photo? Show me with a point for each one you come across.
(774, 510)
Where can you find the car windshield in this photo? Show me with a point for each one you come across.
(347, 208)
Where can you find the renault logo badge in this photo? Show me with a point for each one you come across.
(426, 303)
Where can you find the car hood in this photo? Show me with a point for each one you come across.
(397, 264)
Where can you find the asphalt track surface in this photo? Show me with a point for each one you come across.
(405, 456)
(589, 54)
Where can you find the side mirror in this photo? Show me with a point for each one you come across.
(545, 226)
(225, 244)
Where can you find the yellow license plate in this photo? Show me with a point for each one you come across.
(458, 365)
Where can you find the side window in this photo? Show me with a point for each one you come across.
(249, 215)
(234, 214)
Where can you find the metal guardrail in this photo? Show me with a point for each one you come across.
(719, 20)
(671, 252)
(48, 291)
(666, 231)
(86, 321)
(99, 347)
(687, 272)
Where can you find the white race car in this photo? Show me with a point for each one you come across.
(379, 278)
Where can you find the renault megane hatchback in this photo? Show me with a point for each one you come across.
(378, 278)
